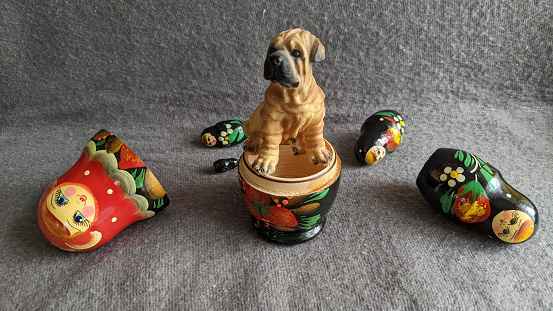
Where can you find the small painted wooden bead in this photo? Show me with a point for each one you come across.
(223, 165)
(223, 134)
(381, 134)
(467, 190)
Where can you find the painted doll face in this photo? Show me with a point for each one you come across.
(375, 154)
(513, 226)
(73, 206)
(209, 140)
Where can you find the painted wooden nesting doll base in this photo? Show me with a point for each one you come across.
(290, 205)
(288, 238)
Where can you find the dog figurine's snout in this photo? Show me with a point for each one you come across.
(271, 62)
(278, 69)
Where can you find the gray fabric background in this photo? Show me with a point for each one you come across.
(474, 75)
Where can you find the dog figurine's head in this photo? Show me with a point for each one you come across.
(290, 56)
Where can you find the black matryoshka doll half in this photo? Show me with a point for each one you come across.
(223, 134)
(467, 190)
(381, 134)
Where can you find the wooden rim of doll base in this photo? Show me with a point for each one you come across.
(294, 174)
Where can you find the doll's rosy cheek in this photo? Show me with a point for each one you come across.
(496, 229)
(88, 211)
(69, 192)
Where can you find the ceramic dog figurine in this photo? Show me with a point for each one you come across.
(293, 110)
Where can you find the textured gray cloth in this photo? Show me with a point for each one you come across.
(473, 75)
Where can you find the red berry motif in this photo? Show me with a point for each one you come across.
(393, 138)
(472, 204)
(129, 159)
(262, 208)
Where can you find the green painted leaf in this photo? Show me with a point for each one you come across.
(308, 222)
(480, 160)
(240, 136)
(475, 187)
(101, 142)
(447, 201)
(457, 154)
(488, 169)
(260, 207)
(385, 114)
(158, 203)
(466, 189)
(468, 161)
(461, 156)
(488, 177)
(317, 196)
(139, 181)
(236, 121)
(232, 137)
(437, 188)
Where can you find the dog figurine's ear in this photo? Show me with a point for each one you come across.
(317, 52)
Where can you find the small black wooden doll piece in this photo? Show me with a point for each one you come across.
(469, 191)
(381, 134)
(224, 134)
(223, 165)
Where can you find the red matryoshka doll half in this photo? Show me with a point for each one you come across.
(108, 189)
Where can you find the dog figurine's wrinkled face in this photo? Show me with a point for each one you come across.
(288, 57)
(293, 110)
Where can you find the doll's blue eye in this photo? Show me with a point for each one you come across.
(80, 220)
(62, 200)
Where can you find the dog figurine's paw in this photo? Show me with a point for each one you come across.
(319, 156)
(265, 164)
(297, 146)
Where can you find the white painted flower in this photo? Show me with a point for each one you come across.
(228, 125)
(399, 123)
(229, 131)
(452, 176)
(225, 142)
(223, 133)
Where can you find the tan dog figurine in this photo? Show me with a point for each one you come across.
(293, 110)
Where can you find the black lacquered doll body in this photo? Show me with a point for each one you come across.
(223, 134)
(467, 190)
(381, 134)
